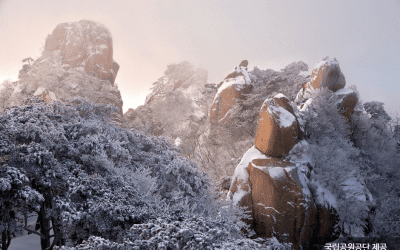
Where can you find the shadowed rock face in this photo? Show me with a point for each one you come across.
(276, 193)
(280, 204)
(348, 102)
(85, 44)
(328, 74)
(327, 228)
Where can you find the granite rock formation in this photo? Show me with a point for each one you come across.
(77, 62)
(278, 129)
(235, 85)
(273, 189)
(327, 74)
(276, 193)
(85, 44)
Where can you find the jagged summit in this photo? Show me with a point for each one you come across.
(77, 60)
(233, 87)
(84, 44)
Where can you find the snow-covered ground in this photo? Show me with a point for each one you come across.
(27, 242)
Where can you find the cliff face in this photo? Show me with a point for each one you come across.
(77, 61)
(85, 44)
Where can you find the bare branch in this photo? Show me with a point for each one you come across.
(34, 232)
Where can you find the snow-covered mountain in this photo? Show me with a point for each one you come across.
(318, 108)
(262, 160)
(77, 60)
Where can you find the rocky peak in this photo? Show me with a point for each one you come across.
(84, 44)
(327, 74)
(233, 87)
(77, 61)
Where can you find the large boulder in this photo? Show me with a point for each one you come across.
(85, 44)
(327, 74)
(278, 128)
(77, 62)
(327, 227)
(348, 101)
(277, 194)
(234, 86)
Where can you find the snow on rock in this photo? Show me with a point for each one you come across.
(286, 119)
(177, 141)
(355, 189)
(240, 190)
(239, 194)
(240, 171)
(47, 96)
(300, 153)
(84, 43)
(233, 87)
(348, 101)
(323, 197)
(305, 106)
(304, 93)
(344, 91)
(272, 188)
(280, 95)
(69, 68)
(277, 173)
(281, 200)
(39, 91)
(327, 74)
(237, 82)
(278, 128)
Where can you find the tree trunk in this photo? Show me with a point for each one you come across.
(44, 222)
(58, 237)
(5, 240)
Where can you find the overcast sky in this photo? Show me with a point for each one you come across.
(364, 36)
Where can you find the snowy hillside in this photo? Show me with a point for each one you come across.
(263, 160)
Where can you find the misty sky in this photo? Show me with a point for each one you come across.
(364, 35)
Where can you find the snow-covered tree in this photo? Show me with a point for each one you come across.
(15, 196)
(6, 90)
(98, 179)
(172, 112)
(380, 164)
